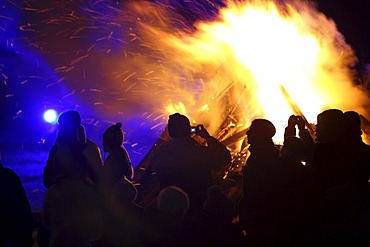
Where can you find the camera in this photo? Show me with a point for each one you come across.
(193, 129)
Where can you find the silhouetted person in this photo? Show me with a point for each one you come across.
(125, 193)
(73, 154)
(357, 156)
(124, 219)
(16, 223)
(117, 164)
(70, 211)
(256, 208)
(305, 135)
(216, 227)
(295, 195)
(185, 163)
(66, 159)
(167, 220)
(328, 164)
(345, 208)
(355, 151)
(117, 173)
(71, 214)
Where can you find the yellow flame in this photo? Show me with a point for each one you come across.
(234, 67)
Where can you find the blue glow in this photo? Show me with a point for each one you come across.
(50, 116)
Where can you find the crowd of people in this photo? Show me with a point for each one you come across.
(311, 191)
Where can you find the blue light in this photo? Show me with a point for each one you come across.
(50, 116)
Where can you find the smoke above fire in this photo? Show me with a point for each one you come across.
(251, 61)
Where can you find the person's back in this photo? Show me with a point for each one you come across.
(183, 162)
(73, 155)
(256, 207)
(64, 162)
(16, 224)
(124, 225)
(295, 194)
(293, 175)
(71, 213)
(117, 164)
(355, 152)
(70, 208)
(262, 160)
(328, 165)
(345, 208)
(94, 161)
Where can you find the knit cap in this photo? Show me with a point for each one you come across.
(113, 136)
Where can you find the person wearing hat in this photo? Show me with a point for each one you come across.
(117, 192)
(73, 154)
(327, 161)
(182, 161)
(66, 159)
(70, 210)
(118, 163)
(328, 125)
(345, 205)
(256, 207)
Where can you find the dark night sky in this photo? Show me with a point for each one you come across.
(353, 21)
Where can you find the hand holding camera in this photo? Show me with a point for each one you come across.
(199, 130)
(292, 121)
(296, 120)
(301, 123)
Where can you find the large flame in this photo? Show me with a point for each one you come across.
(253, 61)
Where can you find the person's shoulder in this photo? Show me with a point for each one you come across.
(119, 153)
(7, 175)
(91, 145)
(166, 144)
(8, 172)
(366, 146)
(365, 149)
(122, 150)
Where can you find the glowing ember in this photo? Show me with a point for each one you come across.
(139, 61)
(233, 69)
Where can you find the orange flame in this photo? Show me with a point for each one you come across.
(229, 71)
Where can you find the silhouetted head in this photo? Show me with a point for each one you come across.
(113, 137)
(260, 131)
(328, 125)
(351, 126)
(178, 126)
(294, 148)
(69, 119)
(173, 200)
(70, 129)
